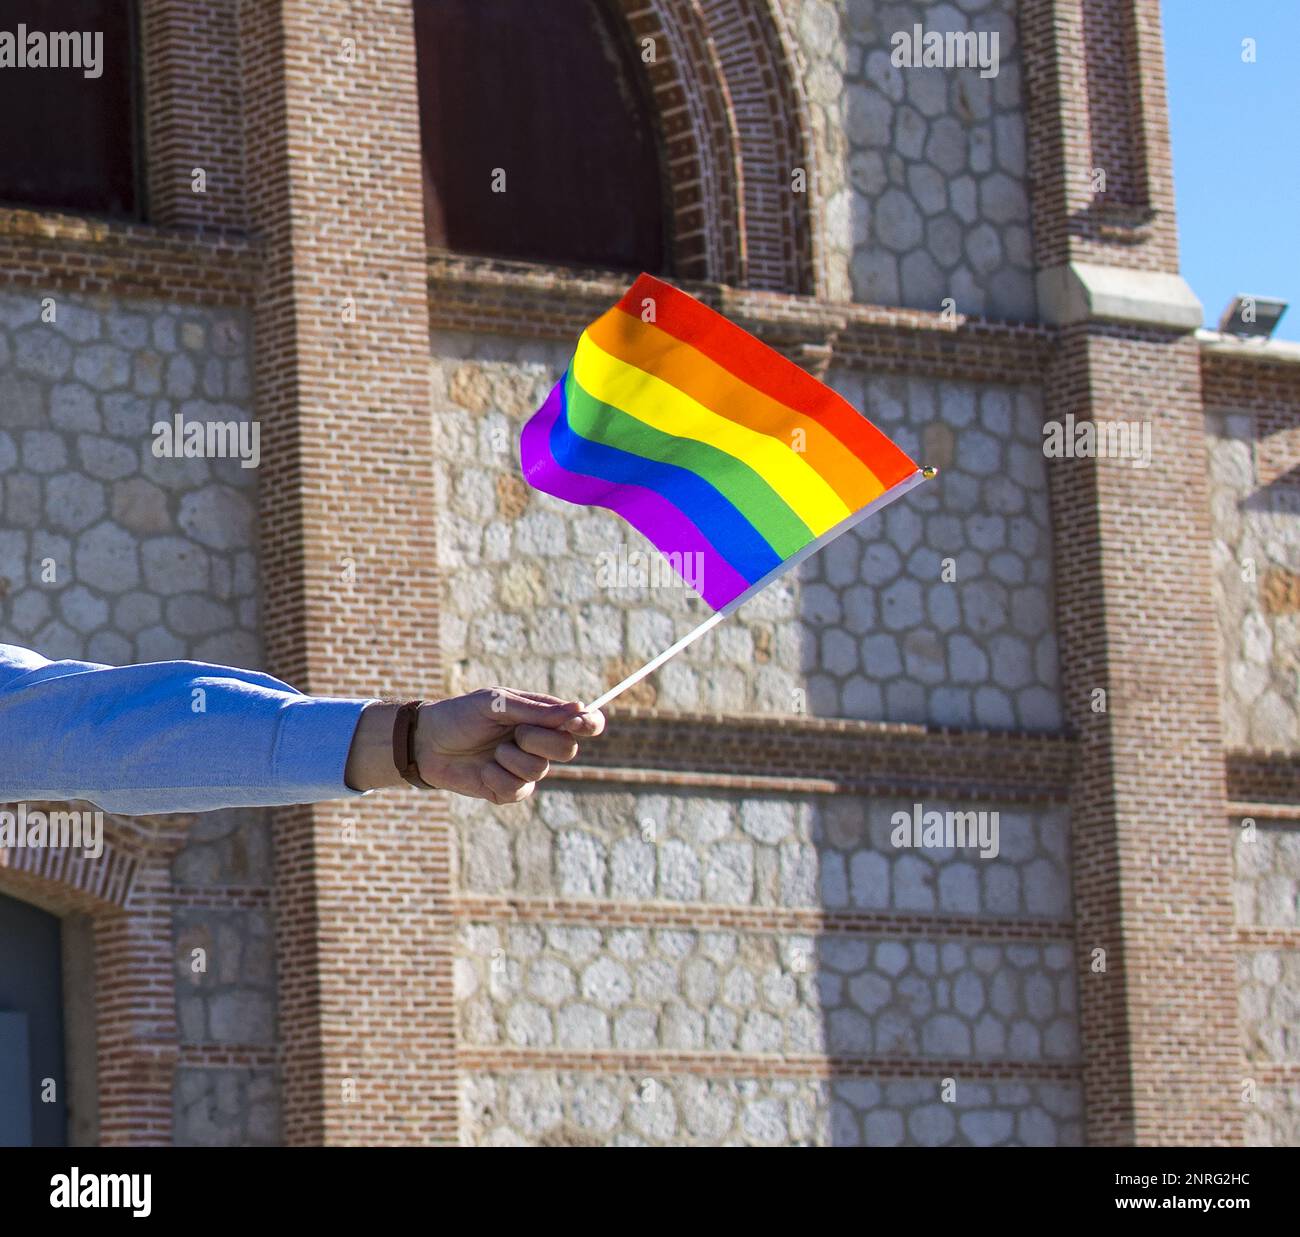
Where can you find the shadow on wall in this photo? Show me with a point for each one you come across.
(941, 609)
(919, 993)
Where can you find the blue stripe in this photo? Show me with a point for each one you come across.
(733, 536)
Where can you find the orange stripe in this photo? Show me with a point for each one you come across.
(753, 362)
(656, 352)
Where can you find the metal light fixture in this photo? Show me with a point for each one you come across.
(1255, 317)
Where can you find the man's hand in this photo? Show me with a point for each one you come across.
(497, 744)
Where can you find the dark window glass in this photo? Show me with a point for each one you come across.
(67, 141)
(554, 93)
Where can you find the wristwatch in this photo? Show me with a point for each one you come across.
(404, 744)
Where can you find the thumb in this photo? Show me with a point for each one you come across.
(506, 707)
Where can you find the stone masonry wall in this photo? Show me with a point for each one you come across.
(1256, 552)
(1255, 519)
(763, 851)
(152, 559)
(939, 610)
(564, 1109)
(923, 169)
(1267, 895)
(909, 995)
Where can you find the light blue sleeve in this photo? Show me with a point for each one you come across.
(172, 736)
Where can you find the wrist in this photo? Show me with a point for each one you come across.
(405, 743)
(370, 759)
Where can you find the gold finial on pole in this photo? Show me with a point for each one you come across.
(929, 472)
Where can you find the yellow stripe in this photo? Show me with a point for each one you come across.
(658, 404)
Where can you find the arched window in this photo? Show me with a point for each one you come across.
(539, 138)
(68, 99)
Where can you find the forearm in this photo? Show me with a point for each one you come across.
(167, 737)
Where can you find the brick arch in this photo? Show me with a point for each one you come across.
(701, 147)
(125, 896)
(756, 52)
(64, 881)
(735, 125)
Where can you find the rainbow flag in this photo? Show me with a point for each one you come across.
(724, 454)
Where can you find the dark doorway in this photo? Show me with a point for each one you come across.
(33, 1087)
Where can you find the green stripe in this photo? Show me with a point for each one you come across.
(745, 489)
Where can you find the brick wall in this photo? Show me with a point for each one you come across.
(193, 131)
(1152, 872)
(1135, 616)
(1095, 97)
(346, 519)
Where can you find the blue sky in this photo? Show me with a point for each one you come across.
(1236, 136)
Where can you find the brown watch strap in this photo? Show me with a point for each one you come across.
(404, 745)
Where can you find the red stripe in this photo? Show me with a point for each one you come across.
(751, 361)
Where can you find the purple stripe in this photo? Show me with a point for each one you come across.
(646, 510)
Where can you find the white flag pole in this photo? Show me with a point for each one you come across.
(921, 474)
